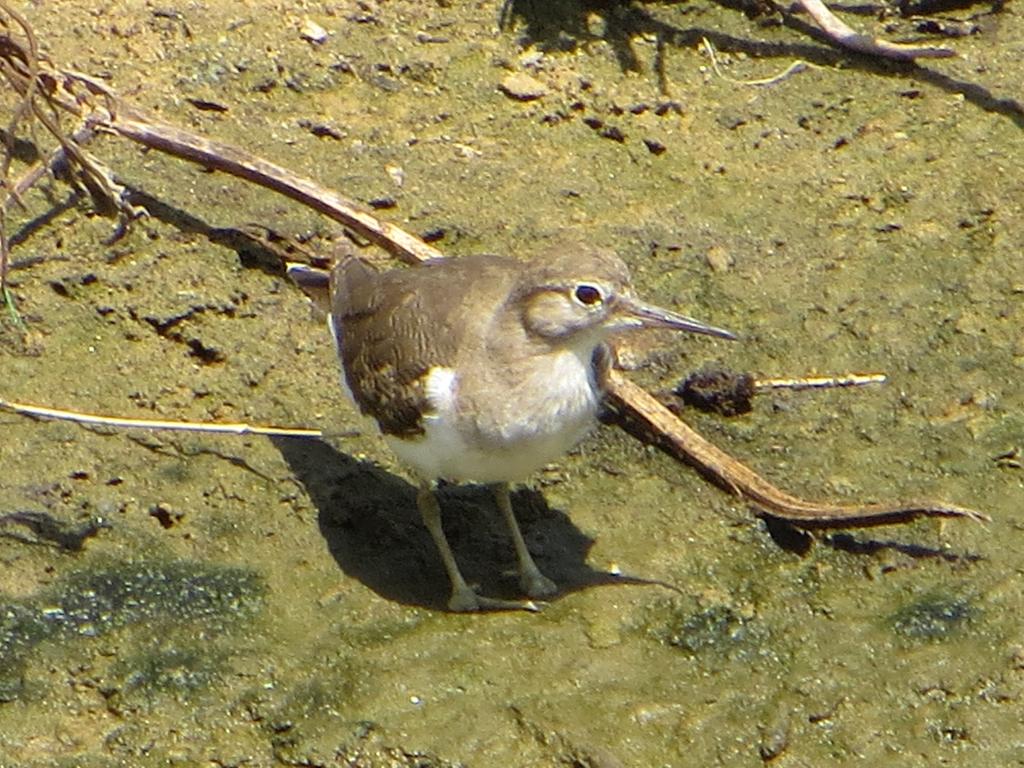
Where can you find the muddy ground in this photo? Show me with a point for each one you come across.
(176, 599)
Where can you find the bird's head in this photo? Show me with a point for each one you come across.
(587, 296)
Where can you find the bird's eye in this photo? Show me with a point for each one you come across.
(588, 295)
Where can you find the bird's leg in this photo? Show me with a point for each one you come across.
(463, 597)
(531, 580)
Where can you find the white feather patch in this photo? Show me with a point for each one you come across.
(540, 433)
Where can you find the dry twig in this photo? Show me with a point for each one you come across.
(839, 32)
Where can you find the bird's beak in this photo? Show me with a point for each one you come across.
(637, 314)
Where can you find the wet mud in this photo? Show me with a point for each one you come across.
(188, 599)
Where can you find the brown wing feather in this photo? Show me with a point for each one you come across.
(393, 327)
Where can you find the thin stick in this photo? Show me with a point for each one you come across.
(30, 55)
(838, 31)
(57, 158)
(121, 422)
(821, 382)
(797, 66)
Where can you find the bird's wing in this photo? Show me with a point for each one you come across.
(393, 327)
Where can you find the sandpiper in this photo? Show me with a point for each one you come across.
(482, 369)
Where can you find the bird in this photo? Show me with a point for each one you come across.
(482, 369)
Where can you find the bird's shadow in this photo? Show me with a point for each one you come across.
(373, 530)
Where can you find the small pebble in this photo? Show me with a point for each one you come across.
(312, 32)
(522, 87)
(719, 259)
(397, 174)
(654, 146)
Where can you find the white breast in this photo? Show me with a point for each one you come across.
(505, 439)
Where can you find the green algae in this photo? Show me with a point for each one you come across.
(933, 617)
(93, 603)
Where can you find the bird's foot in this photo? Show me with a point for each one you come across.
(466, 600)
(536, 584)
